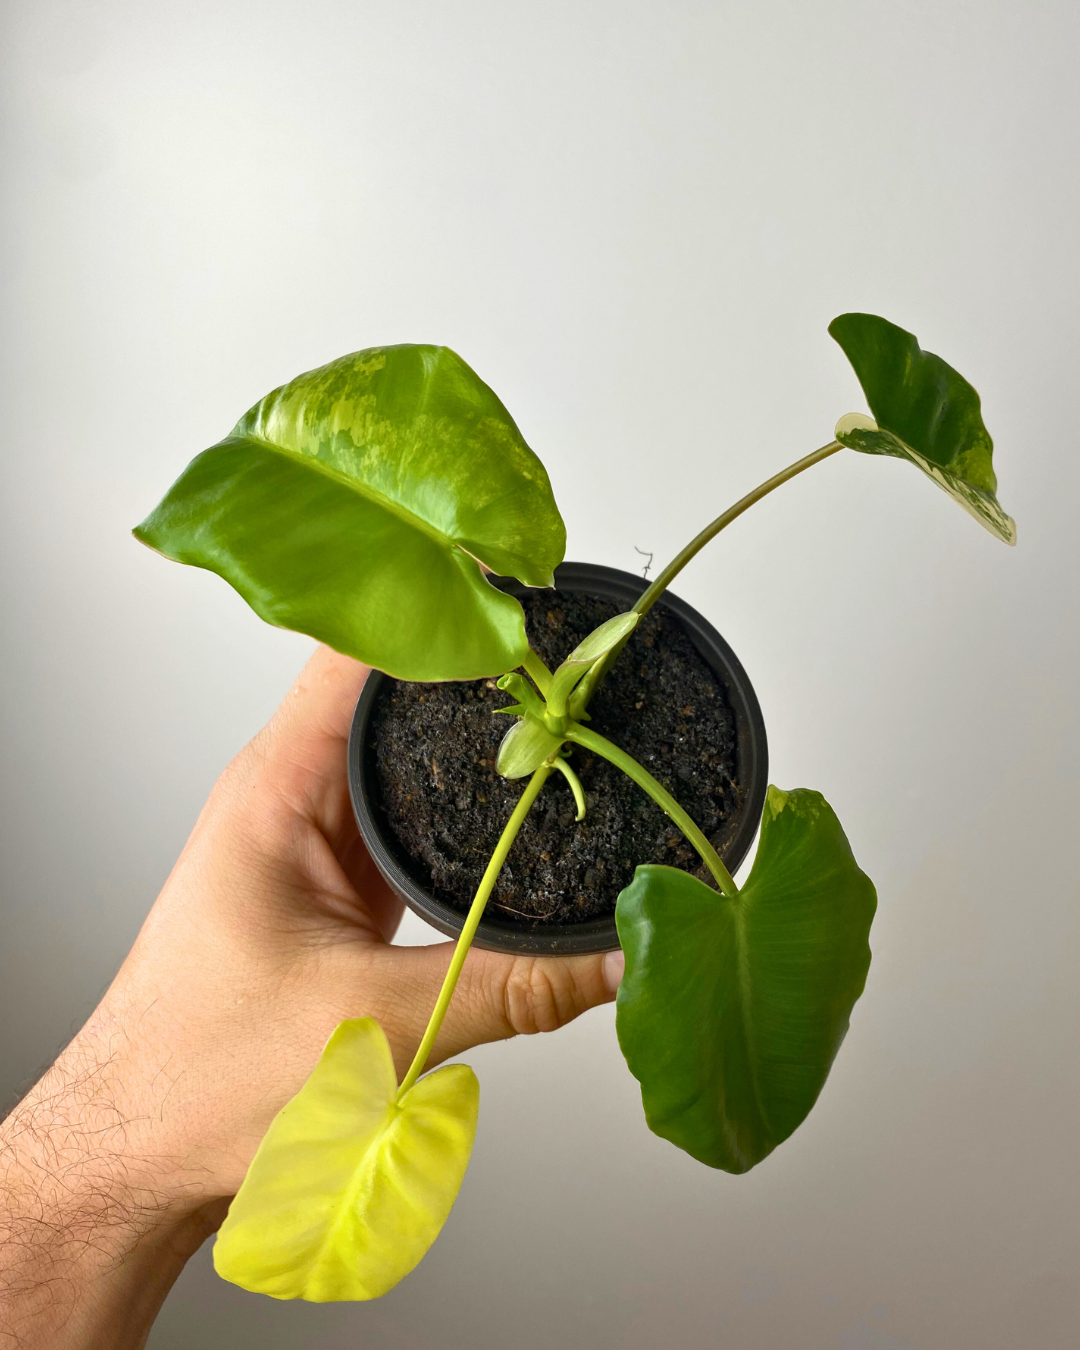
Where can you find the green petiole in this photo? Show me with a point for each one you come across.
(575, 785)
(534, 666)
(592, 681)
(472, 921)
(600, 745)
(672, 570)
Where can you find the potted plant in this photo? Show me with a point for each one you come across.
(367, 504)
(424, 763)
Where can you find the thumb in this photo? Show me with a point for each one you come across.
(497, 996)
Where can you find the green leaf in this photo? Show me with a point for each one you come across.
(924, 411)
(731, 1011)
(601, 640)
(353, 503)
(589, 650)
(349, 1189)
(517, 686)
(524, 748)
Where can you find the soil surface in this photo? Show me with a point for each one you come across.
(434, 770)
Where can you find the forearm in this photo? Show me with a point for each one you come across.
(92, 1233)
(273, 927)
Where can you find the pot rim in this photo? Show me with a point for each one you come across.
(593, 935)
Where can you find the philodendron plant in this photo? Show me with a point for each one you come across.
(361, 504)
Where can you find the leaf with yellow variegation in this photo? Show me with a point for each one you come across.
(924, 412)
(355, 504)
(350, 1187)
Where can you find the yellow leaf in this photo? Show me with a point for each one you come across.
(349, 1188)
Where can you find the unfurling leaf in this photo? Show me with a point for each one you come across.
(601, 640)
(517, 686)
(352, 504)
(349, 1188)
(731, 1011)
(524, 748)
(589, 650)
(924, 411)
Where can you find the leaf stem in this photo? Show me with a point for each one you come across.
(468, 932)
(600, 745)
(595, 677)
(575, 785)
(672, 570)
(534, 665)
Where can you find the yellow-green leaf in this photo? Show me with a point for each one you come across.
(524, 748)
(349, 1188)
(354, 503)
(598, 643)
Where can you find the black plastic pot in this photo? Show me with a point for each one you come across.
(595, 935)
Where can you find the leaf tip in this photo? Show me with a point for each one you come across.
(853, 421)
(776, 799)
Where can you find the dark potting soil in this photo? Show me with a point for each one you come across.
(434, 760)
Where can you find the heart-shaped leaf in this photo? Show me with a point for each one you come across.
(924, 411)
(349, 1188)
(353, 503)
(732, 1010)
(524, 748)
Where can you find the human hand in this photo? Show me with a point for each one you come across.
(273, 927)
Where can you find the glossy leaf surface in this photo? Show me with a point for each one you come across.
(353, 502)
(348, 1190)
(924, 411)
(731, 1011)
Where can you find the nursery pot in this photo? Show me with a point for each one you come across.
(501, 933)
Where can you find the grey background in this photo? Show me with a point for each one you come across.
(635, 220)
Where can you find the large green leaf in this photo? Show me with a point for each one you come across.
(353, 503)
(349, 1188)
(924, 411)
(731, 1011)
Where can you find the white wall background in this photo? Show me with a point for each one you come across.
(635, 220)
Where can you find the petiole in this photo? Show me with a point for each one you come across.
(575, 785)
(592, 681)
(600, 745)
(534, 666)
(472, 921)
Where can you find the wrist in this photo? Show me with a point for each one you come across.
(94, 1229)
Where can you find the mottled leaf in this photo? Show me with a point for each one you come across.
(924, 411)
(349, 1188)
(353, 503)
(731, 1010)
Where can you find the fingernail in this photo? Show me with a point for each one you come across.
(614, 965)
